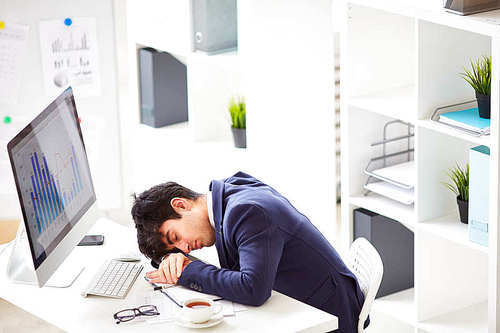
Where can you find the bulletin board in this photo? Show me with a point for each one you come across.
(97, 107)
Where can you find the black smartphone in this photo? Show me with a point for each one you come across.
(92, 240)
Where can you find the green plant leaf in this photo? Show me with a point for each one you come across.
(459, 181)
(479, 76)
(237, 110)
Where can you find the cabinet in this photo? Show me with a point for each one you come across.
(399, 61)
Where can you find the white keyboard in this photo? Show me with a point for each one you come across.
(114, 279)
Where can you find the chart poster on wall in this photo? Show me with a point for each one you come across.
(70, 55)
(12, 47)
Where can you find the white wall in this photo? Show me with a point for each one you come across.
(287, 54)
(99, 114)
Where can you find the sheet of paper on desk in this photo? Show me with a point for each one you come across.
(227, 308)
(168, 310)
(181, 294)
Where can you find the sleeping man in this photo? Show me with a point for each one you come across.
(262, 241)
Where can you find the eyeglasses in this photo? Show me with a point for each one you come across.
(130, 314)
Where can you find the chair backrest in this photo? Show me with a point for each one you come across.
(364, 261)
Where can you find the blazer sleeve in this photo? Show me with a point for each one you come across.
(259, 249)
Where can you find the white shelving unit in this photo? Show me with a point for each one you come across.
(389, 103)
(401, 61)
(153, 155)
(399, 305)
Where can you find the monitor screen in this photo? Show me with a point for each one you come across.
(52, 175)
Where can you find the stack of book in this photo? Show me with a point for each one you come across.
(467, 120)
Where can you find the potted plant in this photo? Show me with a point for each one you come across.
(479, 77)
(460, 186)
(237, 110)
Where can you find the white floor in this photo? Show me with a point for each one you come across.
(15, 320)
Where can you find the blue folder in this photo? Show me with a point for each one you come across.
(469, 117)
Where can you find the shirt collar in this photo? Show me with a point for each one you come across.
(210, 209)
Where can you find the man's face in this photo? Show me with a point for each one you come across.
(190, 232)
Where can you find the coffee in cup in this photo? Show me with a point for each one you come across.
(200, 310)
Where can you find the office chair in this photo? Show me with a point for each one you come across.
(364, 261)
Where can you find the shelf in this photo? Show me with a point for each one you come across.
(404, 196)
(470, 319)
(484, 23)
(400, 305)
(181, 131)
(387, 207)
(402, 173)
(224, 59)
(398, 103)
(443, 129)
(450, 228)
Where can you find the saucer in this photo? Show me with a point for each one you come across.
(215, 320)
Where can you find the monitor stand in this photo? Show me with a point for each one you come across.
(20, 268)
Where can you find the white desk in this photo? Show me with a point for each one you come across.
(66, 309)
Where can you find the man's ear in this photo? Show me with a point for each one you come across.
(180, 205)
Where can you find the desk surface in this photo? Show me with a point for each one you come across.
(69, 311)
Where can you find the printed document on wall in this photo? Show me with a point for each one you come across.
(70, 56)
(12, 47)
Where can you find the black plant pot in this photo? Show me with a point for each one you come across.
(240, 137)
(463, 209)
(484, 105)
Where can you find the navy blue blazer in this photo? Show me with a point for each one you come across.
(264, 243)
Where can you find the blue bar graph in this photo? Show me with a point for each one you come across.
(80, 186)
(58, 196)
(52, 187)
(36, 213)
(52, 192)
(59, 190)
(37, 198)
(74, 172)
(51, 204)
(49, 192)
(46, 203)
(39, 195)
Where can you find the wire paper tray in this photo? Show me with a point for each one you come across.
(404, 196)
(401, 175)
(458, 107)
(393, 181)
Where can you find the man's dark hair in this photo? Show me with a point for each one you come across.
(150, 209)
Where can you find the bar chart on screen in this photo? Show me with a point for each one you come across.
(49, 200)
(52, 177)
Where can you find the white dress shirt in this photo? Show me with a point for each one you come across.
(210, 209)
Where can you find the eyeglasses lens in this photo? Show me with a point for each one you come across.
(125, 315)
(148, 310)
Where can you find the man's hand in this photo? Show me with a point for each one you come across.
(170, 269)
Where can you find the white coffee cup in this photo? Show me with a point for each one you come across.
(199, 310)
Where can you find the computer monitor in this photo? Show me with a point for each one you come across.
(54, 187)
